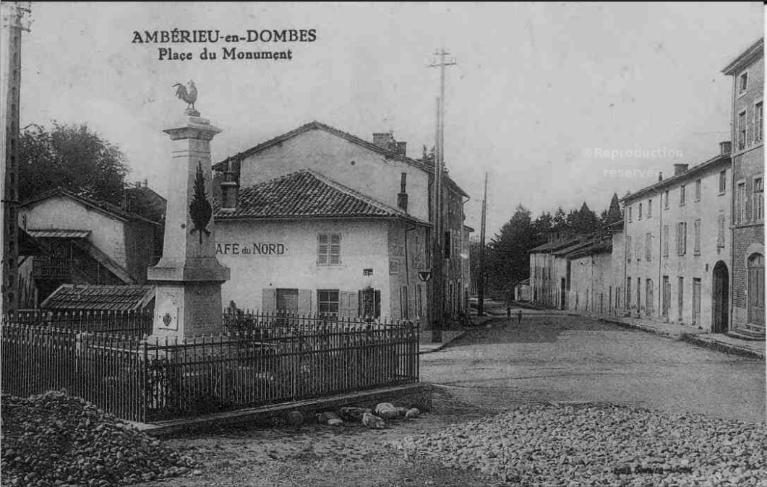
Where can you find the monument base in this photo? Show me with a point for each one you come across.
(187, 309)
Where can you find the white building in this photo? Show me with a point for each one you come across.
(366, 201)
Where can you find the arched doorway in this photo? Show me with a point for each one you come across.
(720, 291)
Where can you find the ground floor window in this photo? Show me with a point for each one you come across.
(327, 301)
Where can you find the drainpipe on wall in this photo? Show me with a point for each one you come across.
(661, 290)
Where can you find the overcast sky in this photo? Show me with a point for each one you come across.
(540, 98)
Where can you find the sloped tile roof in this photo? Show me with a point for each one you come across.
(99, 298)
(425, 165)
(306, 194)
(104, 207)
(54, 233)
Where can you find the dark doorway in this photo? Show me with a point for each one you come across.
(562, 293)
(666, 296)
(721, 291)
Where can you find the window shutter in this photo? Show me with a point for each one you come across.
(378, 304)
(305, 301)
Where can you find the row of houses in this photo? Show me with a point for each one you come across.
(316, 220)
(690, 248)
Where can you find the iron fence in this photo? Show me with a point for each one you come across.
(137, 322)
(153, 379)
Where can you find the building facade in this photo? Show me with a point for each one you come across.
(83, 241)
(747, 198)
(677, 246)
(380, 173)
(302, 243)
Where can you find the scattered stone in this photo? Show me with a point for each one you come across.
(335, 422)
(353, 414)
(326, 417)
(373, 421)
(600, 445)
(295, 418)
(412, 413)
(55, 439)
(386, 410)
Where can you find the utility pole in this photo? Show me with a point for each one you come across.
(437, 261)
(13, 23)
(481, 283)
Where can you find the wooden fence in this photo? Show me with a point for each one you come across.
(156, 379)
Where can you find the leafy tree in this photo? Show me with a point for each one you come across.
(508, 250)
(73, 157)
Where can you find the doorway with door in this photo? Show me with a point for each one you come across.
(720, 291)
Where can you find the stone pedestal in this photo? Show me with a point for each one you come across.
(188, 277)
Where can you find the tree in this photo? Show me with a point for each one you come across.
(72, 157)
(508, 251)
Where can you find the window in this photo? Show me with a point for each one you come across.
(740, 202)
(630, 213)
(681, 238)
(681, 195)
(648, 247)
(742, 130)
(628, 291)
(665, 205)
(758, 122)
(758, 199)
(721, 227)
(665, 240)
(327, 301)
(446, 249)
(649, 208)
(723, 182)
(697, 190)
(639, 216)
(638, 249)
(696, 237)
(743, 83)
(328, 249)
(628, 248)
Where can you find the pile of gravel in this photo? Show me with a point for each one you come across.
(600, 445)
(55, 439)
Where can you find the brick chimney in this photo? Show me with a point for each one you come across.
(680, 168)
(385, 140)
(230, 186)
(725, 147)
(230, 191)
(402, 195)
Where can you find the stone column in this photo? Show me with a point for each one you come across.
(188, 277)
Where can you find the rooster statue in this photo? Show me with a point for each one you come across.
(187, 93)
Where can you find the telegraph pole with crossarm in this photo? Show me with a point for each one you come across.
(437, 261)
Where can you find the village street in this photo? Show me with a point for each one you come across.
(509, 366)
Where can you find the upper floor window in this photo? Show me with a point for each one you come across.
(681, 195)
(328, 248)
(723, 182)
(628, 248)
(721, 229)
(696, 237)
(742, 130)
(743, 83)
(649, 208)
(758, 122)
(697, 189)
(630, 213)
(665, 205)
(648, 247)
(758, 202)
(740, 202)
(681, 238)
(639, 217)
(665, 240)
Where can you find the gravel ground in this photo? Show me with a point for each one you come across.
(600, 445)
